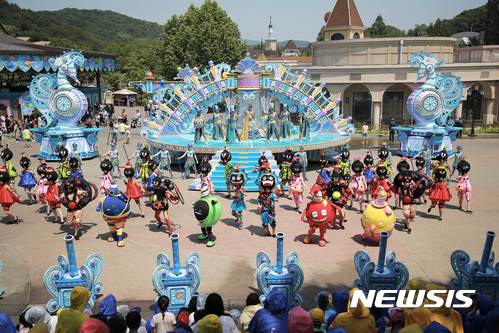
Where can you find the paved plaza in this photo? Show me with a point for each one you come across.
(31, 246)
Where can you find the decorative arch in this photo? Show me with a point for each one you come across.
(357, 102)
(337, 36)
(394, 103)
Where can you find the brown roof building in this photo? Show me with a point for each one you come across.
(343, 22)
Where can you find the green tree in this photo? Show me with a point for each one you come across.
(492, 27)
(420, 30)
(321, 34)
(199, 35)
(438, 29)
(378, 29)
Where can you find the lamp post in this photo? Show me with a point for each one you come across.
(475, 94)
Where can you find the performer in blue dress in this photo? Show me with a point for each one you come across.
(232, 133)
(27, 180)
(217, 124)
(266, 200)
(237, 180)
(285, 123)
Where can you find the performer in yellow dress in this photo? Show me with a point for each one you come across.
(248, 117)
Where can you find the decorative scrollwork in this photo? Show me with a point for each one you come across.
(458, 261)
(262, 258)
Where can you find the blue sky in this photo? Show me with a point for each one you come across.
(293, 19)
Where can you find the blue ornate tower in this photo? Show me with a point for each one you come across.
(177, 282)
(482, 277)
(432, 107)
(59, 280)
(61, 107)
(388, 273)
(287, 278)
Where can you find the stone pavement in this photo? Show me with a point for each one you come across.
(30, 247)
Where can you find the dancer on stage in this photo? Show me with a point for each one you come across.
(319, 213)
(145, 157)
(163, 193)
(204, 170)
(199, 125)
(297, 185)
(409, 187)
(207, 210)
(105, 182)
(165, 160)
(232, 133)
(369, 174)
(7, 195)
(27, 180)
(153, 174)
(217, 122)
(338, 194)
(133, 190)
(272, 130)
(248, 118)
(262, 167)
(225, 157)
(267, 199)
(402, 166)
(464, 185)
(324, 177)
(42, 185)
(136, 158)
(442, 163)
(306, 118)
(285, 173)
(74, 164)
(53, 196)
(358, 184)
(76, 194)
(439, 191)
(115, 209)
(285, 123)
(114, 155)
(63, 168)
(190, 162)
(237, 180)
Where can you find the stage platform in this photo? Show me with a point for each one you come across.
(317, 141)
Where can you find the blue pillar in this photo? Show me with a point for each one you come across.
(73, 270)
(176, 254)
(486, 251)
(280, 249)
(382, 252)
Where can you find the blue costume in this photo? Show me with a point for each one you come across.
(238, 205)
(27, 180)
(76, 174)
(267, 202)
(274, 315)
(325, 175)
(369, 175)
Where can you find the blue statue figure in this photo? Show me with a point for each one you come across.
(217, 122)
(306, 119)
(61, 107)
(59, 280)
(287, 278)
(272, 130)
(482, 277)
(432, 106)
(388, 273)
(177, 282)
(285, 123)
(232, 133)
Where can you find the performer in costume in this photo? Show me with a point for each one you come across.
(285, 123)
(381, 181)
(105, 182)
(53, 196)
(237, 180)
(425, 154)
(324, 177)
(402, 166)
(383, 155)
(339, 193)
(74, 164)
(297, 185)
(262, 167)
(439, 191)
(458, 156)
(369, 174)
(27, 180)
(163, 193)
(306, 118)
(266, 200)
(164, 160)
(378, 217)
(7, 195)
(319, 213)
(115, 208)
(409, 187)
(6, 156)
(114, 155)
(426, 180)
(63, 168)
(302, 158)
(190, 162)
(232, 133)
(442, 164)
(205, 169)
(76, 194)
(153, 174)
(285, 173)
(345, 161)
(248, 118)
(225, 157)
(272, 130)
(358, 184)
(207, 210)
(133, 190)
(42, 185)
(136, 157)
(145, 157)
(199, 125)
(217, 124)
(464, 185)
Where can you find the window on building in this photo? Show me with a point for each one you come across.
(361, 106)
(337, 36)
(393, 106)
(356, 35)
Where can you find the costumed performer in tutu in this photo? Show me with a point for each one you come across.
(27, 180)
(7, 195)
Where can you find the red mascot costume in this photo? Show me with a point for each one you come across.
(319, 214)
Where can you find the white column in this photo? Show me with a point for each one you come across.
(376, 115)
(488, 116)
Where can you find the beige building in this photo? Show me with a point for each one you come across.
(373, 79)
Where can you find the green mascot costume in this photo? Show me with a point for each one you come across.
(207, 211)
